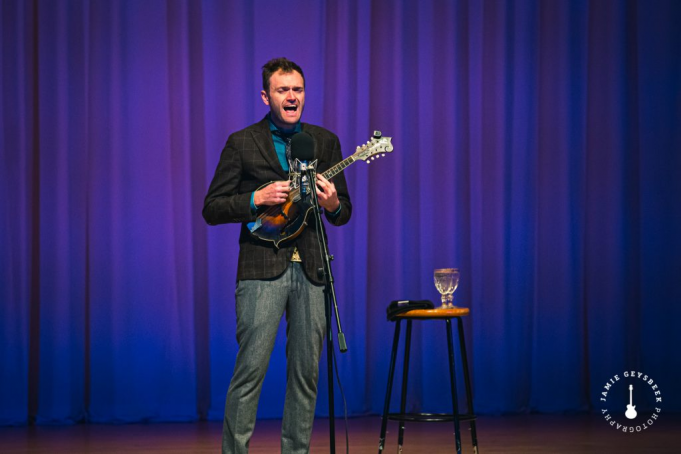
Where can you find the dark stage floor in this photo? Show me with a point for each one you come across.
(526, 434)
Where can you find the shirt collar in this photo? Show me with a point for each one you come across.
(284, 132)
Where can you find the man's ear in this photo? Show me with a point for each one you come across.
(265, 98)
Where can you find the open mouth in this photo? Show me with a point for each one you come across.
(291, 109)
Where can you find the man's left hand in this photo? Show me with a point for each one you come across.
(327, 195)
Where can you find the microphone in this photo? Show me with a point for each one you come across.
(302, 147)
(302, 152)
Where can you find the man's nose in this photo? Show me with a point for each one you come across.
(290, 95)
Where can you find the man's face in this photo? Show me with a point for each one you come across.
(286, 98)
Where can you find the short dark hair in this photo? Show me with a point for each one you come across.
(275, 65)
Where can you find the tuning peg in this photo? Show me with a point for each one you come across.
(383, 155)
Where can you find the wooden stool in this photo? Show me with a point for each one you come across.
(429, 314)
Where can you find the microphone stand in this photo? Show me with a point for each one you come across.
(329, 300)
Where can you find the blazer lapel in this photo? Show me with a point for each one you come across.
(263, 140)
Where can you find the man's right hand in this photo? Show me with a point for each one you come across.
(272, 194)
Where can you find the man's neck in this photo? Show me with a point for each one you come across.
(286, 129)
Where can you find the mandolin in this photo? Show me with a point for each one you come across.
(278, 223)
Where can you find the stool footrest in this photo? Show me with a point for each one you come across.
(429, 417)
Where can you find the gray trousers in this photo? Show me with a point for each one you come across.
(260, 305)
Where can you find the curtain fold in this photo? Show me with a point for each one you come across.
(537, 148)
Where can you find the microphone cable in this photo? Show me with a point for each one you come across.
(345, 404)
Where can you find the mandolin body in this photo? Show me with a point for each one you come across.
(282, 222)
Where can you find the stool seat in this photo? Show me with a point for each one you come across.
(436, 313)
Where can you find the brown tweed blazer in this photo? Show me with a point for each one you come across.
(248, 161)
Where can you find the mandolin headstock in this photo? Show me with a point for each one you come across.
(376, 147)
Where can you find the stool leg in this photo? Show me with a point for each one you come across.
(452, 378)
(467, 381)
(403, 401)
(389, 388)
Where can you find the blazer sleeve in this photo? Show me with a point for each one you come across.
(341, 188)
(224, 202)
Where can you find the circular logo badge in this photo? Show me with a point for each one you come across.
(631, 401)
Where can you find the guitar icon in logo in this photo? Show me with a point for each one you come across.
(631, 412)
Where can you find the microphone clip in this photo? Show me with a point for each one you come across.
(305, 166)
(300, 173)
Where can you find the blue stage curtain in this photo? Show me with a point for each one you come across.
(537, 148)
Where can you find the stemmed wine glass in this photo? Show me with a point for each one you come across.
(446, 281)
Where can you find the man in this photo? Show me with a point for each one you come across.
(275, 280)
